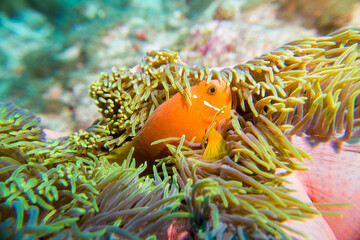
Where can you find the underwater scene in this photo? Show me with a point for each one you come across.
(185, 119)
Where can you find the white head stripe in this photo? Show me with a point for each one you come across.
(209, 105)
(195, 96)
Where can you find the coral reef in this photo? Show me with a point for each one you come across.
(66, 187)
(48, 42)
(326, 16)
(46, 48)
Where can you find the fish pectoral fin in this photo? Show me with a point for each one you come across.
(216, 148)
(119, 154)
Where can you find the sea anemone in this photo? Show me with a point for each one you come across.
(67, 188)
(49, 189)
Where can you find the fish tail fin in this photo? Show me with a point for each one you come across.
(120, 154)
(216, 147)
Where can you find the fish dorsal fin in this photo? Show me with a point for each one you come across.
(216, 147)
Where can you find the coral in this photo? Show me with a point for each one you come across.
(66, 187)
(40, 45)
(326, 16)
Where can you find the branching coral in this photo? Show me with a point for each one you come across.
(67, 186)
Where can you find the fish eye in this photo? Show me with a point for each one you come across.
(211, 90)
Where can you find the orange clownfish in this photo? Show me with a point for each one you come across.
(176, 117)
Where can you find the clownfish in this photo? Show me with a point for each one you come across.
(176, 117)
(334, 174)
